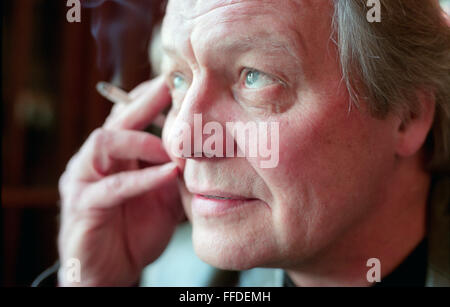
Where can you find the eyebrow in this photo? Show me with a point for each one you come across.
(268, 46)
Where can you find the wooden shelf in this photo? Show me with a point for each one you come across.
(36, 197)
(45, 56)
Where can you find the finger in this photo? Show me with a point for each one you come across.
(159, 120)
(141, 112)
(115, 189)
(104, 147)
(139, 90)
(118, 108)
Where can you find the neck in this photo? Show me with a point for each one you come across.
(390, 234)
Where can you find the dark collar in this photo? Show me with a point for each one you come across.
(410, 273)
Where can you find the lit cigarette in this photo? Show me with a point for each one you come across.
(113, 93)
(116, 95)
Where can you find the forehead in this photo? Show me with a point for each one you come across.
(195, 8)
(219, 21)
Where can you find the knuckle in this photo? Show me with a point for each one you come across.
(145, 141)
(100, 138)
(62, 183)
(98, 151)
(66, 181)
(114, 183)
(72, 165)
(96, 134)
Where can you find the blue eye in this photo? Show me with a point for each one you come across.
(179, 82)
(252, 78)
(255, 79)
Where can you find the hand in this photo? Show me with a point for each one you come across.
(116, 216)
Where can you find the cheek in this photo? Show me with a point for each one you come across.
(321, 146)
(327, 166)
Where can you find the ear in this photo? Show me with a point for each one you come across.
(414, 127)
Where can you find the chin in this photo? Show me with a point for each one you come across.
(230, 250)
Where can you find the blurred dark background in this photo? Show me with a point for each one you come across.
(49, 106)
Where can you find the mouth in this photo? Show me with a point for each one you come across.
(219, 194)
(215, 197)
(218, 203)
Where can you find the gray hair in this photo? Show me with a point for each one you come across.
(385, 63)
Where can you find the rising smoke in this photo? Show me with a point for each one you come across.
(122, 30)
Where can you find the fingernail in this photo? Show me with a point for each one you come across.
(168, 167)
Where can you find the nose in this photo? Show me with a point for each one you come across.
(201, 106)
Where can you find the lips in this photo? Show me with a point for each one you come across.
(217, 203)
(216, 197)
(219, 194)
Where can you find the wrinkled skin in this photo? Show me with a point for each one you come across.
(347, 186)
(337, 164)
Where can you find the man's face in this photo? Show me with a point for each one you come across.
(271, 61)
